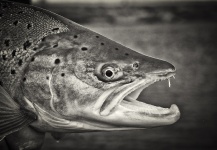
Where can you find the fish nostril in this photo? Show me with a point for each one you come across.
(136, 65)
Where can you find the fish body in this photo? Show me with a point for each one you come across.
(60, 77)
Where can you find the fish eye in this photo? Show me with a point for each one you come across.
(108, 72)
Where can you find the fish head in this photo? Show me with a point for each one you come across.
(95, 82)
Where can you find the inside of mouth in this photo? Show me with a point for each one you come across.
(132, 103)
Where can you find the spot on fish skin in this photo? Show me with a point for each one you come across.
(62, 74)
(126, 54)
(75, 36)
(20, 12)
(20, 62)
(55, 29)
(13, 53)
(102, 43)
(13, 71)
(116, 49)
(57, 61)
(43, 39)
(34, 49)
(97, 36)
(4, 57)
(29, 25)
(4, 6)
(33, 59)
(47, 77)
(7, 42)
(24, 79)
(27, 44)
(84, 48)
(15, 23)
(1, 83)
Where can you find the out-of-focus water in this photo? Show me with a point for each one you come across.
(192, 49)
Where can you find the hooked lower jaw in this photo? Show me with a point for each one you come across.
(123, 100)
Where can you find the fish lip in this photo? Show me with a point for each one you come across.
(173, 112)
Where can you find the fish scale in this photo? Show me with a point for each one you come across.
(21, 30)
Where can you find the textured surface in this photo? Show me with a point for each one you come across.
(21, 29)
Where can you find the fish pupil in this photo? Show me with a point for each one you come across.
(109, 73)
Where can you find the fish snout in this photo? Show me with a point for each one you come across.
(156, 66)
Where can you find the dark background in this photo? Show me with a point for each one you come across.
(183, 33)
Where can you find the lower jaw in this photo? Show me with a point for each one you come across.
(148, 109)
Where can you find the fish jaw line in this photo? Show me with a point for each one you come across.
(123, 100)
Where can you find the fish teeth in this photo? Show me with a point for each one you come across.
(174, 77)
(169, 82)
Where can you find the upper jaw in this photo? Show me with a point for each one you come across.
(123, 100)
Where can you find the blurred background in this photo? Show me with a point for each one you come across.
(181, 32)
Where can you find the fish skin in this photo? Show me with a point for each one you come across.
(21, 31)
(56, 69)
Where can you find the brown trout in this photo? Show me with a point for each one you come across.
(57, 76)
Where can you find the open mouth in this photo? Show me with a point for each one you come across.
(125, 97)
